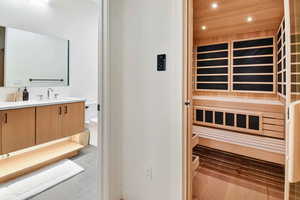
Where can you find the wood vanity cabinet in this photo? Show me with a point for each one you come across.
(58, 121)
(18, 129)
(26, 127)
(73, 119)
(48, 123)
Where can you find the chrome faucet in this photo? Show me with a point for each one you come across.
(49, 91)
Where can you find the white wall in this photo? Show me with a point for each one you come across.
(46, 57)
(146, 105)
(73, 20)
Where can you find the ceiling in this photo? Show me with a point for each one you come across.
(230, 17)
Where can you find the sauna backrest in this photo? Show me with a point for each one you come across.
(294, 143)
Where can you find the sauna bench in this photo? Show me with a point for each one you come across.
(261, 148)
(239, 99)
(273, 105)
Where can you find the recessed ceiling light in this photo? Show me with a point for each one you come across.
(249, 19)
(214, 5)
(203, 28)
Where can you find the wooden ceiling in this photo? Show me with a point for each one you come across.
(230, 18)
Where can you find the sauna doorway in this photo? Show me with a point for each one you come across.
(242, 77)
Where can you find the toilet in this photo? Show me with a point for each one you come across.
(91, 122)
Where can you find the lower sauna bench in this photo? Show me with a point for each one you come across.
(237, 166)
(258, 147)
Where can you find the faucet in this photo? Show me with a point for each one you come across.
(49, 91)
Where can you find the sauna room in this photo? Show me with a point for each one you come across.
(239, 94)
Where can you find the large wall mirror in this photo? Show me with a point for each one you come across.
(32, 59)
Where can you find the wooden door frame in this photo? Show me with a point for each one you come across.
(188, 111)
(103, 190)
(288, 90)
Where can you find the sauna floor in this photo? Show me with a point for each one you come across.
(224, 176)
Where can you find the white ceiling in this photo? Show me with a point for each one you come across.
(95, 1)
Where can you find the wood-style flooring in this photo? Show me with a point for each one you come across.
(224, 176)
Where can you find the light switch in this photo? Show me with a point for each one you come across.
(161, 62)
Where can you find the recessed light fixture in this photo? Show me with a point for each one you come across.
(249, 19)
(203, 28)
(214, 5)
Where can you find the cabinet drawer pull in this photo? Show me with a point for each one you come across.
(5, 118)
(59, 111)
(66, 109)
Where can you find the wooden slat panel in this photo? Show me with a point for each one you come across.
(226, 171)
(281, 61)
(274, 115)
(274, 134)
(279, 122)
(234, 126)
(271, 127)
(256, 142)
(230, 18)
(239, 81)
(243, 104)
(245, 151)
(211, 63)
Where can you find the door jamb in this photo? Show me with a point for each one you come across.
(188, 116)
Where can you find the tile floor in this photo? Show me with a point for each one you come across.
(80, 187)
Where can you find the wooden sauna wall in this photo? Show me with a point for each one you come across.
(281, 61)
(251, 121)
(295, 67)
(212, 67)
(238, 66)
(253, 65)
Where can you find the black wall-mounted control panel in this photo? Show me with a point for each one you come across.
(161, 62)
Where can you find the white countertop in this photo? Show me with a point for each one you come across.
(35, 103)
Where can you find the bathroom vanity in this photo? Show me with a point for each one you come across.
(36, 133)
(28, 124)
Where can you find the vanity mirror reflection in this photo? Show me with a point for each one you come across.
(32, 59)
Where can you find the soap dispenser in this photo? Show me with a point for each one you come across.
(25, 95)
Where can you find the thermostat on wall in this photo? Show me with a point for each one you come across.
(161, 62)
